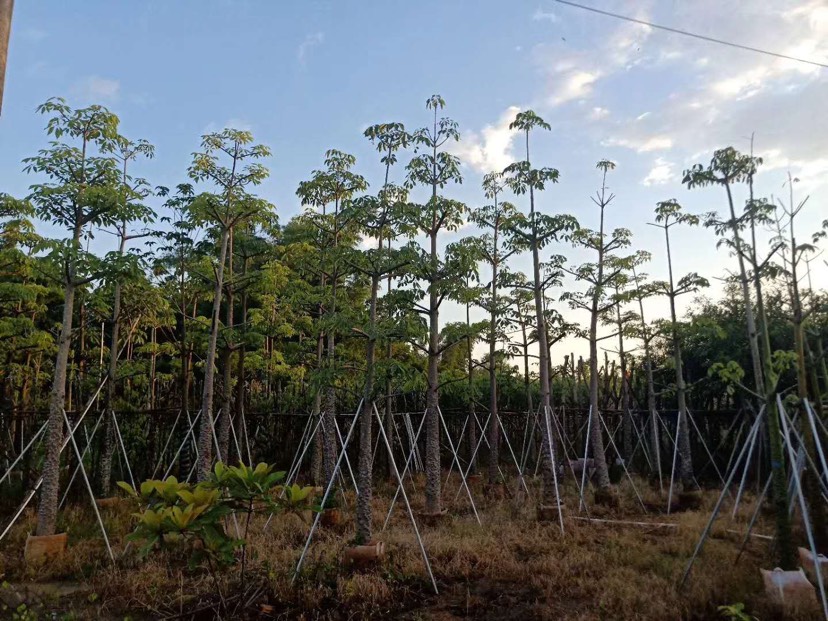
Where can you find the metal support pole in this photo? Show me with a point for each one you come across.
(586, 456)
(803, 507)
(327, 493)
(166, 445)
(547, 414)
(673, 468)
(623, 465)
(88, 486)
(717, 507)
(405, 499)
(405, 469)
(457, 460)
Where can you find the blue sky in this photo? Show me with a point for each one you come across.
(309, 76)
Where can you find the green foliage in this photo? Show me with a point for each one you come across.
(736, 612)
(175, 513)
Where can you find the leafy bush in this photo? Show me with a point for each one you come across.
(195, 515)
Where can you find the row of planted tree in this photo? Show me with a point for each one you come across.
(211, 305)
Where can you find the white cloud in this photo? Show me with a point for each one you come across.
(599, 113)
(575, 85)
(491, 148)
(97, 89)
(310, 41)
(660, 173)
(642, 145)
(545, 16)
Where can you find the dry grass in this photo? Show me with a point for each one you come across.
(511, 567)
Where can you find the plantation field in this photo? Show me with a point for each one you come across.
(510, 567)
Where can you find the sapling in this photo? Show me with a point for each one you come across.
(668, 214)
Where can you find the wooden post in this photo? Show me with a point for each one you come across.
(6, 7)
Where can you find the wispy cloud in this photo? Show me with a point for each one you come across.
(310, 41)
(97, 89)
(545, 16)
(662, 172)
(490, 149)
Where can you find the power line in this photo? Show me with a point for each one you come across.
(691, 34)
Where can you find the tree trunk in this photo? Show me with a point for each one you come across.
(494, 422)
(6, 7)
(364, 466)
(316, 455)
(596, 429)
(105, 466)
(47, 510)
(433, 483)
(205, 435)
(223, 434)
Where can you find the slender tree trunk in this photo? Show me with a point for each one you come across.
(317, 450)
(329, 436)
(241, 432)
(206, 428)
(389, 415)
(6, 7)
(494, 429)
(433, 483)
(223, 432)
(226, 361)
(596, 429)
(625, 389)
(685, 472)
(470, 403)
(105, 465)
(364, 467)
(48, 507)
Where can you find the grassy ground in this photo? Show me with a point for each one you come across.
(511, 567)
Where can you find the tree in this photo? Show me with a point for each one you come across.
(499, 220)
(388, 138)
(726, 168)
(601, 278)
(81, 190)
(434, 167)
(376, 217)
(539, 230)
(133, 191)
(335, 185)
(793, 252)
(642, 290)
(230, 204)
(668, 214)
